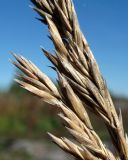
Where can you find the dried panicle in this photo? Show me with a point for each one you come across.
(35, 75)
(80, 81)
(68, 146)
(73, 111)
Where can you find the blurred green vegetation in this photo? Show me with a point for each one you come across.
(24, 115)
(18, 155)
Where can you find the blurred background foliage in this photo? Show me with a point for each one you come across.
(24, 116)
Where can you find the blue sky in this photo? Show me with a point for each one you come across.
(104, 23)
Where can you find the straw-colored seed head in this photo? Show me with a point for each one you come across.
(81, 85)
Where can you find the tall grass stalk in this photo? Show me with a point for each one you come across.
(81, 85)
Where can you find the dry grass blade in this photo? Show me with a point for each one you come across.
(80, 81)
